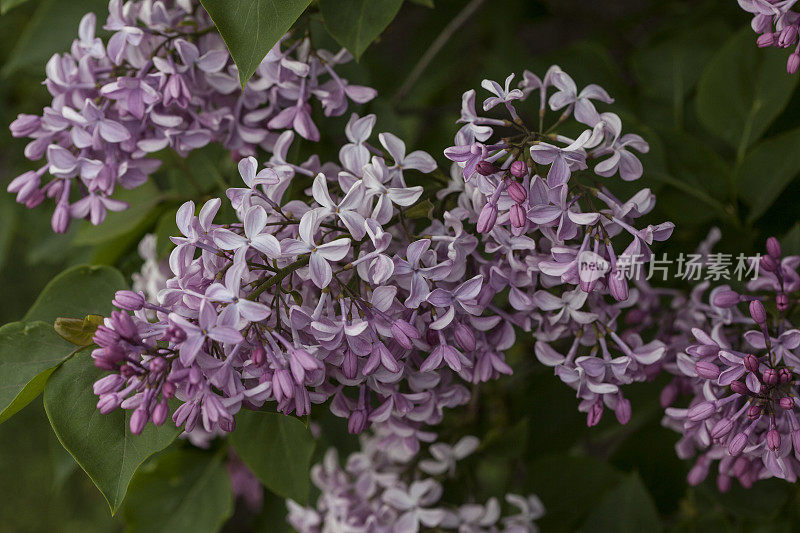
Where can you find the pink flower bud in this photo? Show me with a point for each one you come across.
(618, 286)
(791, 65)
(623, 410)
(516, 191)
(751, 363)
(758, 312)
(740, 388)
(721, 428)
(168, 390)
(754, 412)
(723, 483)
(128, 300)
(770, 376)
(519, 169)
(726, 298)
(768, 263)
(773, 440)
(701, 411)
(737, 444)
(786, 403)
(138, 420)
(765, 40)
(464, 337)
(160, 413)
(787, 36)
(517, 216)
(782, 302)
(258, 355)
(785, 375)
(487, 218)
(595, 414)
(774, 248)
(706, 369)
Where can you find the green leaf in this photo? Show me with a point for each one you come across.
(8, 5)
(426, 3)
(76, 330)
(78, 291)
(356, 23)
(278, 449)
(182, 490)
(51, 29)
(767, 170)
(742, 89)
(628, 507)
(142, 200)
(101, 444)
(251, 28)
(423, 209)
(28, 355)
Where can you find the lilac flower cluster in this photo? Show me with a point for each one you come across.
(776, 25)
(742, 369)
(378, 490)
(534, 200)
(163, 80)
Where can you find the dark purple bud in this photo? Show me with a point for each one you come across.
(782, 302)
(706, 369)
(791, 66)
(721, 428)
(138, 420)
(701, 411)
(774, 248)
(517, 192)
(737, 444)
(486, 168)
(786, 403)
(227, 424)
(487, 218)
(157, 365)
(767, 263)
(751, 363)
(518, 168)
(773, 439)
(740, 388)
(785, 375)
(623, 410)
(758, 312)
(517, 216)
(754, 412)
(726, 299)
(770, 376)
(127, 371)
(128, 300)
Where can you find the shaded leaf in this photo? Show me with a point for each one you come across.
(742, 89)
(78, 291)
(766, 171)
(29, 352)
(142, 200)
(181, 490)
(8, 5)
(251, 28)
(356, 23)
(101, 444)
(628, 507)
(278, 449)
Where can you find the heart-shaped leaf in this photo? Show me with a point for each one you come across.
(29, 352)
(251, 28)
(278, 449)
(356, 23)
(101, 444)
(78, 332)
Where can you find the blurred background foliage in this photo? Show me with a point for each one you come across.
(721, 117)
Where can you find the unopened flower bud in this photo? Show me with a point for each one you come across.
(485, 168)
(793, 63)
(787, 36)
(758, 312)
(595, 414)
(357, 422)
(786, 403)
(108, 403)
(754, 412)
(519, 169)
(517, 216)
(168, 389)
(127, 371)
(623, 410)
(774, 248)
(258, 355)
(765, 40)
(770, 376)
(701, 411)
(517, 192)
(782, 302)
(773, 439)
(706, 369)
(160, 413)
(726, 298)
(123, 324)
(751, 363)
(487, 218)
(737, 444)
(740, 388)
(785, 375)
(128, 300)
(721, 428)
(724, 483)
(767, 263)
(138, 420)
(464, 337)
(618, 286)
